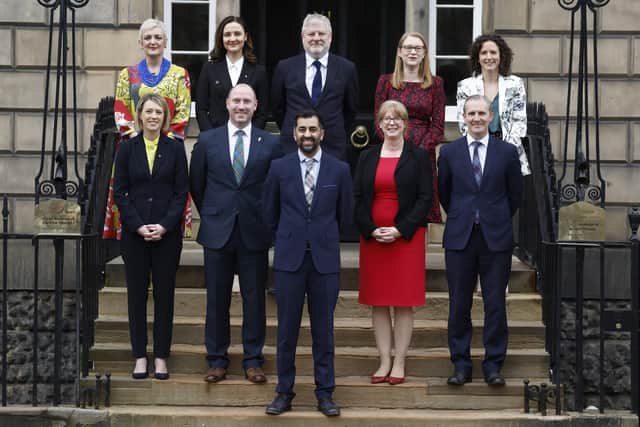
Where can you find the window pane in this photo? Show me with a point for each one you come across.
(193, 64)
(190, 27)
(454, 2)
(455, 31)
(452, 71)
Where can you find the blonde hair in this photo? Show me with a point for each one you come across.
(424, 70)
(150, 24)
(394, 107)
(158, 99)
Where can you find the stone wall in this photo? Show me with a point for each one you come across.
(20, 347)
(538, 32)
(617, 357)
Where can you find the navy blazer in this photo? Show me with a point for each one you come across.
(151, 198)
(286, 215)
(214, 85)
(337, 106)
(413, 180)
(497, 198)
(219, 199)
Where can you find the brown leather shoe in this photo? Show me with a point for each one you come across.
(215, 375)
(255, 375)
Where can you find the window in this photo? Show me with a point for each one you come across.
(453, 25)
(191, 27)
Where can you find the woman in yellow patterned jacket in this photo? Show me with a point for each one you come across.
(158, 75)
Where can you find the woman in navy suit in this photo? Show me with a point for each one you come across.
(232, 61)
(150, 190)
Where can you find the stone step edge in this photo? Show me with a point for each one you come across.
(339, 323)
(433, 352)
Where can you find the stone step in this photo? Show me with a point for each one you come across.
(192, 302)
(191, 273)
(350, 361)
(353, 332)
(351, 392)
(253, 416)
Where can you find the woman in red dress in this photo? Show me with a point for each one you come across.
(422, 93)
(393, 192)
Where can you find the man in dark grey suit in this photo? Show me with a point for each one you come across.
(228, 167)
(316, 80)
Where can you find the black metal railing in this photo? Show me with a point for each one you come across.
(91, 254)
(581, 318)
(537, 218)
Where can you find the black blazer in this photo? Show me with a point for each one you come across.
(413, 184)
(214, 85)
(157, 198)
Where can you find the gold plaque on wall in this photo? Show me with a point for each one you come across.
(581, 221)
(57, 216)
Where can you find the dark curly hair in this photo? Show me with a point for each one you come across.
(218, 51)
(506, 54)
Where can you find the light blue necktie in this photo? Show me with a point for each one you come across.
(238, 156)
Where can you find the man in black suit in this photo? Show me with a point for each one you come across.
(228, 167)
(316, 80)
(480, 188)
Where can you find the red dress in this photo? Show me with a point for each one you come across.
(391, 274)
(426, 121)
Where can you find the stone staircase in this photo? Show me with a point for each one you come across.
(186, 400)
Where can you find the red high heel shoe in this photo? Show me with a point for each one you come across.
(396, 380)
(379, 380)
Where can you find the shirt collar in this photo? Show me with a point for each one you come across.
(237, 65)
(316, 156)
(484, 140)
(232, 129)
(324, 60)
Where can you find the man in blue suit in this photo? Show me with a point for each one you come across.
(307, 198)
(228, 168)
(480, 187)
(317, 80)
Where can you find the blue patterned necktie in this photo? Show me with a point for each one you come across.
(477, 166)
(309, 182)
(316, 87)
(477, 174)
(238, 156)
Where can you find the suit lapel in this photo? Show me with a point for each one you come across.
(302, 65)
(161, 154)
(489, 160)
(223, 75)
(254, 151)
(140, 154)
(323, 172)
(222, 152)
(295, 166)
(246, 72)
(466, 161)
(331, 76)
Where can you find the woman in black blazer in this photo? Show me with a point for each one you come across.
(232, 61)
(150, 190)
(393, 195)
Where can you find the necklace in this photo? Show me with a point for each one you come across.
(150, 79)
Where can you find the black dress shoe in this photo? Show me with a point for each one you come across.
(459, 378)
(328, 407)
(281, 403)
(495, 379)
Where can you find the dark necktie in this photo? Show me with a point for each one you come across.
(477, 174)
(316, 87)
(477, 166)
(238, 156)
(309, 182)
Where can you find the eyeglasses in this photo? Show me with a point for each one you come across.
(418, 49)
(392, 119)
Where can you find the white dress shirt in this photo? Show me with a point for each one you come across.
(235, 68)
(482, 149)
(311, 70)
(246, 139)
(316, 165)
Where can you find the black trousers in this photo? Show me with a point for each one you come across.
(143, 260)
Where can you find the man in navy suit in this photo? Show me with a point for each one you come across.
(480, 187)
(228, 168)
(317, 80)
(307, 198)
